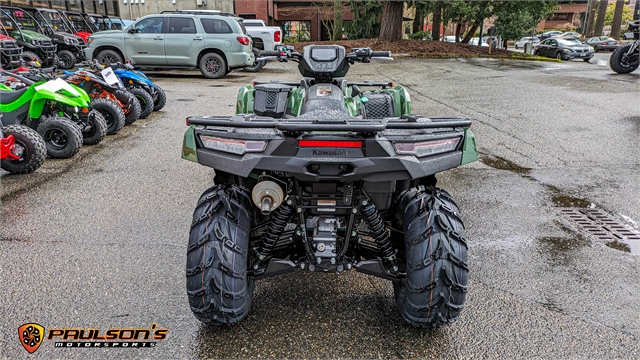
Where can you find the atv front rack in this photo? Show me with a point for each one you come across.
(349, 124)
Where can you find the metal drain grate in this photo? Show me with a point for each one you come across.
(600, 224)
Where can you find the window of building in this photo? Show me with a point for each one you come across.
(560, 17)
(295, 31)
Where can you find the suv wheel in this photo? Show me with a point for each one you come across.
(213, 66)
(109, 57)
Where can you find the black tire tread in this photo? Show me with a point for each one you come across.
(615, 61)
(31, 55)
(433, 293)
(218, 286)
(105, 105)
(125, 97)
(161, 101)
(71, 130)
(145, 101)
(100, 125)
(39, 149)
(72, 57)
(258, 65)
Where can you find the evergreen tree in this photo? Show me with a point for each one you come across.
(366, 22)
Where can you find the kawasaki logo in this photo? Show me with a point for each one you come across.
(330, 152)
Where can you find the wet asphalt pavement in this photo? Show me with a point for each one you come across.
(99, 241)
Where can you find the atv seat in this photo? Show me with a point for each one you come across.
(7, 97)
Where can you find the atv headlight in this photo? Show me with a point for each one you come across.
(72, 109)
(233, 146)
(427, 148)
(67, 41)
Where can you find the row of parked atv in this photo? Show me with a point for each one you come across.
(52, 37)
(48, 113)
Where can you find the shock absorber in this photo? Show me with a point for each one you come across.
(378, 231)
(279, 219)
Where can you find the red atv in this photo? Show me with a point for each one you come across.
(22, 149)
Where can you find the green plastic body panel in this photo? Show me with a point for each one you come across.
(5, 87)
(189, 145)
(401, 100)
(244, 105)
(28, 35)
(469, 152)
(38, 99)
(353, 104)
(295, 101)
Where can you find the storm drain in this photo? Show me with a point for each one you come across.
(602, 226)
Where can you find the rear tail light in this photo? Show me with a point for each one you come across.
(604, 43)
(330, 143)
(277, 36)
(427, 148)
(244, 40)
(233, 146)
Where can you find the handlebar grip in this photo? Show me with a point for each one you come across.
(381, 54)
(264, 53)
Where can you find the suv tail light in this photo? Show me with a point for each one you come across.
(277, 36)
(244, 40)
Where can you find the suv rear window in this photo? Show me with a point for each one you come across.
(215, 26)
(180, 25)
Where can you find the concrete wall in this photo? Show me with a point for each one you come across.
(137, 9)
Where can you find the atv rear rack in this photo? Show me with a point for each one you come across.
(341, 124)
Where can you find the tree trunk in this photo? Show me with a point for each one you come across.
(418, 21)
(602, 12)
(590, 15)
(617, 20)
(472, 30)
(391, 27)
(437, 19)
(457, 34)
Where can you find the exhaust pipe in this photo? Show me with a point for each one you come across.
(267, 196)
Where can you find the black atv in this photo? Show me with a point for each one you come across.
(325, 177)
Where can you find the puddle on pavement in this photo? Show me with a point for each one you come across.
(551, 305)
(499, 163)
(185, 100)
(561, 200)
(619, 246)
(562, 244)
(217, 85)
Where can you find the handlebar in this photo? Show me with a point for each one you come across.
(381, 54)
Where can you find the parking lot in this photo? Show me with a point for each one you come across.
(99, 241)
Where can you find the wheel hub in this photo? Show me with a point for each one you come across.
(56, 138)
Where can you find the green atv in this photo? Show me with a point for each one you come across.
(322, 176)
(46, 106)
(27, 32)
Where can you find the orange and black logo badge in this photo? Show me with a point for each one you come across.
(31, 336)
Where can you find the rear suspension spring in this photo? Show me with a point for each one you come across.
(279, 219)
(378, 231)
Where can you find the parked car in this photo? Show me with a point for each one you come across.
(627, 36)
(475, 40)
(450, 38)
(215, 44)
(603, 43)
(564, 49)
(569, 34)
(548, 34)
(520, 43)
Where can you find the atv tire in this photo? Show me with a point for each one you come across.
(127, 98)
(62, 137)
(161, 98)
(66, 59)
(218, 286)
(258, 65)
(434, 290)
(112, 113)
(30, 56)
(145, 101)
(616, 61)
(97, 130)
(33, 154)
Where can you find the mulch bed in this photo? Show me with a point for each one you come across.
(426, 48)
